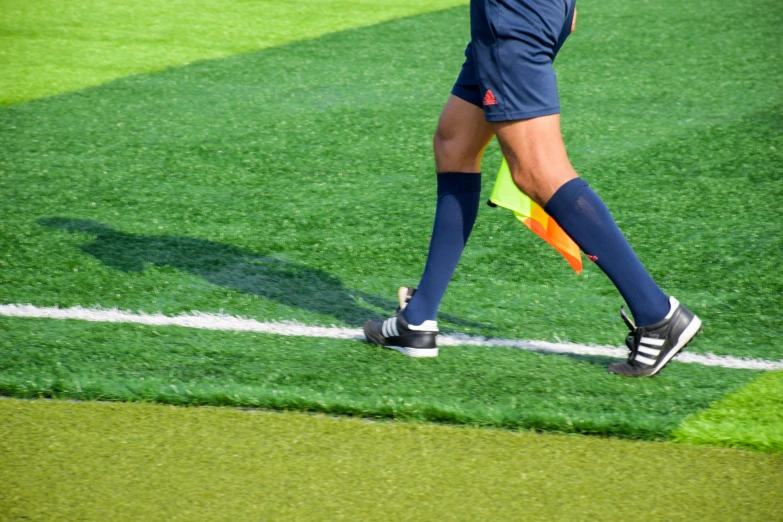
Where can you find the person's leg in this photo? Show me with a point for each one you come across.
(459, 143)
(461, 137)
(536, 155)
(514, 70)
(540, 168)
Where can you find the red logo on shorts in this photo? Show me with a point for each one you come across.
(489, 98)
(592, 258)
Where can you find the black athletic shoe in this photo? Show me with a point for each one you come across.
(652, 347)
(397, 334)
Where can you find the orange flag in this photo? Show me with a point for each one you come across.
(506, 194)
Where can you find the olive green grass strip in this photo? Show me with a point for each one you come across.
(751, 417)
(49, 47)
(500, 387)
(82, 461)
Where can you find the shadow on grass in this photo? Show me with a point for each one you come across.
(228, 266)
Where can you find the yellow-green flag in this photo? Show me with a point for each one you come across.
(506, 194)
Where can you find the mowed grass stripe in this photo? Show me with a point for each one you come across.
(750, 417)
(200, 320)
(49, 47)
(269, 184)
(466, 385)
(138, 461)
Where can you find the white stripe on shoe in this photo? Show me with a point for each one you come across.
(649, 351)
(393, 327)
(389, 327)
(645, 360)
(685, 337)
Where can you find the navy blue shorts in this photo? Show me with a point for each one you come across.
(508, 71)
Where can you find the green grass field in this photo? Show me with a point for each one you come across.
(249, 158)
(483, 386)
(202, 187)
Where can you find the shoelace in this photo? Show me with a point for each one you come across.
(633, 339)
(404, 294)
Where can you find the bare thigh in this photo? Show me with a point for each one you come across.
(461, 137)
(536, 155)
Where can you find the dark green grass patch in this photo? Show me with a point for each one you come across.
(464, 385)
(64, 461)
(297, 183)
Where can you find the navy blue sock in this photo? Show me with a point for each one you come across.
(584, 217)
(455, 213)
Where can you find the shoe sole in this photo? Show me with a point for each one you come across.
(414, 352)
(687, 335)
(410, 352)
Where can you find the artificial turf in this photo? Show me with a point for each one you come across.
(66, 461)
(296, 183)
(49, 47)
(751, 417)
(269, 184)
(500, 387)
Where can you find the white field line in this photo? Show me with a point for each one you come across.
(209, 321)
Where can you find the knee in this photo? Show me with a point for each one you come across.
(525, 176)
(540, 180)
(524, 173)
(442, 142)
(454, 153)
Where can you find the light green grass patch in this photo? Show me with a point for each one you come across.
(49, 47)
(66, 461)
(751, 417)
